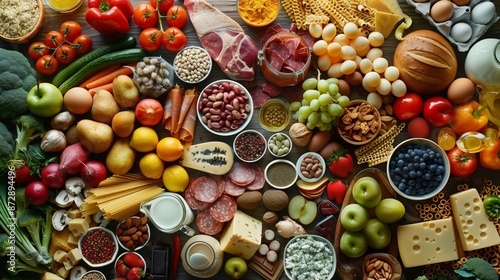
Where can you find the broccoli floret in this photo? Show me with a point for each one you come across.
(28, 128)
(7, 143)
(17, 77)
(38, 227)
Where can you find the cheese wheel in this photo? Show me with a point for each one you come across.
(426, 61)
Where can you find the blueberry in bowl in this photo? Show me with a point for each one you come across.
(418, 169)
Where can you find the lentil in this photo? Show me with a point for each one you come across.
(192, 64)
(250, 146)
(18, 18)
(98, 246)
(280, 174)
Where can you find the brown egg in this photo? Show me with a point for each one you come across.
(461, 90)
(461, 2)
(78, 100)
(354, 79)
(329, 148)
(318, 140)
(442, 11)
(344, 87)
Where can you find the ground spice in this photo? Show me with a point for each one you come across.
(18, 18)
(258, 11)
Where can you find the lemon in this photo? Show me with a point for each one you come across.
(169, 149)
(144, 139)
(151, 166)
(175, 178)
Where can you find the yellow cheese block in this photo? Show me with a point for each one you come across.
(474, 227)
(78, 226)
(388, 6)
(427, 242)
(59, 256)
(63, 272)
(213, 157)
(242, 236)
(51, 276)
(385, 22)
(74, 256)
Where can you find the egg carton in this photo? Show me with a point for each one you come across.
(460, 14)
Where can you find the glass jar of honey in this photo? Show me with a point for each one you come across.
(64, 6)
(446, 138)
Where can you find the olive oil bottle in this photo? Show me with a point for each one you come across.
(474, 142)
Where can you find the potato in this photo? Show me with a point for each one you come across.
(275, 200)
(249, 200)
(121, 157)
(95, 136)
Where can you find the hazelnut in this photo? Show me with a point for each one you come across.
(300, 134)
(270, 217)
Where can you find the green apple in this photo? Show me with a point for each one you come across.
(353, 244)
(366, 191)
(236, 268)
(378, 234)
(44, 100)
(354, 217)
(389, 210)
(302, 210)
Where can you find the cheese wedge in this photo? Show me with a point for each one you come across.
(385, 22)
(213, 157)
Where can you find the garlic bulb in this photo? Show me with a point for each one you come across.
(53, 141)
(62, 120)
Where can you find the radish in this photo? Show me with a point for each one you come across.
(73, 157)
(53, 177)
(36, 193)
(93, 172)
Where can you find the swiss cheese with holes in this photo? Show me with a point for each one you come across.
(474, 227)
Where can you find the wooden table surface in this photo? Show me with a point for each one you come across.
(54, 19)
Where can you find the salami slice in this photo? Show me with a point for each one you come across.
(259, 181)
(259, 97)
(223, 209)
(192, 202)
(232, 189)
(242, 174)
(207, 224)
(206, 189)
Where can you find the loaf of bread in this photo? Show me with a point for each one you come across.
(426, 61)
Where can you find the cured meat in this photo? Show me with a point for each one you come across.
(186, 132)
(191, 201)
(232, 189)
(207, 224)
(206, 189)
(224, 39)
(294, 93)
(224, 209)
(172, 107)
(259, 181)
(188, 98)
(242, 174)
(271, 89)
(259, 97)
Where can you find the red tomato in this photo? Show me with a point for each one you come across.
(177, 16)
(71, 30)
(82, 44)
(54, 38)
(418, 128)
(462, 164)
(37, 50)
(65, 54)
(164, 4)
(150, 39)
(47, 65)
(174, 39)
(145, 16)
(149, 112)
(408, 106)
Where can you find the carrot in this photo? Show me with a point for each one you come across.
(110, 77)
(108, 87)
(100, 74)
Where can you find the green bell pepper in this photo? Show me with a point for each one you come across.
(491, 204)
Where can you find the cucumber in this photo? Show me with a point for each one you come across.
(87, 70)
(71, 69)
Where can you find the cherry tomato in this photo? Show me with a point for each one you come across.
(145, 16)
(177, 16)
(164, 4)
(150, 39)
(37, 50)
(462, 164)
(47, 65)
(54, 38)
(82, 44)
(149, 112)
(174, 39)
(71, 30)
(65, 54)
(408, 106)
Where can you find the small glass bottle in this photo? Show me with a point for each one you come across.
(491, 134)
(474, 142)
(446, 138)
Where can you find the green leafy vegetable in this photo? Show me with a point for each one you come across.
(477, 269)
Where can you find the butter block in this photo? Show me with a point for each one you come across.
(78, 226)
(427, 242)
(475, 229)
(242, 236)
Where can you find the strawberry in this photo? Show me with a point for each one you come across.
(336, 190)
(133, 260)
(121, 268)
(135, 273)
(340, 163)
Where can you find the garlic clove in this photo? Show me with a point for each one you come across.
(63, 120)
(53, 141)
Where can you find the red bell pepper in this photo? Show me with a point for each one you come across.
(109, 17)
(470, 116)
(490, 157)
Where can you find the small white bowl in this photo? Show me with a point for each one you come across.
(321, 162)
(123, 254)
(138, 247)
(115, 247)
(253, 156)
(197, 53)
(274, 149)
(286, 173)
(421, 142)
(91, 277)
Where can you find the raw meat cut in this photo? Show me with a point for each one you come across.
(224, 39)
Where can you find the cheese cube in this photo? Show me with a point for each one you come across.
(67, 264)
(74, 213)
(60, 256)
(74, 256)
(72, 240)
(242, 236)
(78, 226)
(427, 242)
(63, 272)
(474, 227)
(51, 276)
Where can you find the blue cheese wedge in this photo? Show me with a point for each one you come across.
(213, 157)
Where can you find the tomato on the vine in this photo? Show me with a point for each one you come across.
(150, 39)
(37, 50)
(65, 54)
(174, 39)
(462, 164)
(145, 15)
(47, 65)
(164, 5)
(54, 38)
(71, 30)
(82, 44)
(177, 16)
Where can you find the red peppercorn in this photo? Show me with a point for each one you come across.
(250, 146)
(98, 246)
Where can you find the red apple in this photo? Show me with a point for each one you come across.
(408, 106)
(438, 111)
(53, 177)
(36, 193)
(93, 172)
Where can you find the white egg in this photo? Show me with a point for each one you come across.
(398, 88)
(384, 87)
(461, 32)
(380, 64)
(334, 71)
(483, 12)
(372, 79)
(365, 65)
(374, 53)
(347, 52)
(375, 99)
(391, 73)
(348, 67)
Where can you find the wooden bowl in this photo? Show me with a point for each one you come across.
(26, 37)
(370, 264)
(350, 131)
(346, 267)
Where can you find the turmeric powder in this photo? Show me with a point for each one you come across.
(258, 12)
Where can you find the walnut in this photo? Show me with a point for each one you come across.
(270, 217)
(300, 134)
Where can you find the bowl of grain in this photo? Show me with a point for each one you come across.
(360, 123)
(192, 64)
(258, 13)
(280, 174)
(21, 20)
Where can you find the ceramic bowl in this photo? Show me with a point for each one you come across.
(136, 247)
(259, 22)
(280, 174)
(190, 73)
(249, 146)
(30, 34)
(98, 243)
(288, 254)
(279, 144)
(353, 132)
(318, 168)
(120, 257)
(93, 275)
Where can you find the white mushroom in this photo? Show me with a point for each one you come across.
(74, 185)
(77, 272)
(79, 199)
(99, 219)
(60, 219)
(64, 199)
